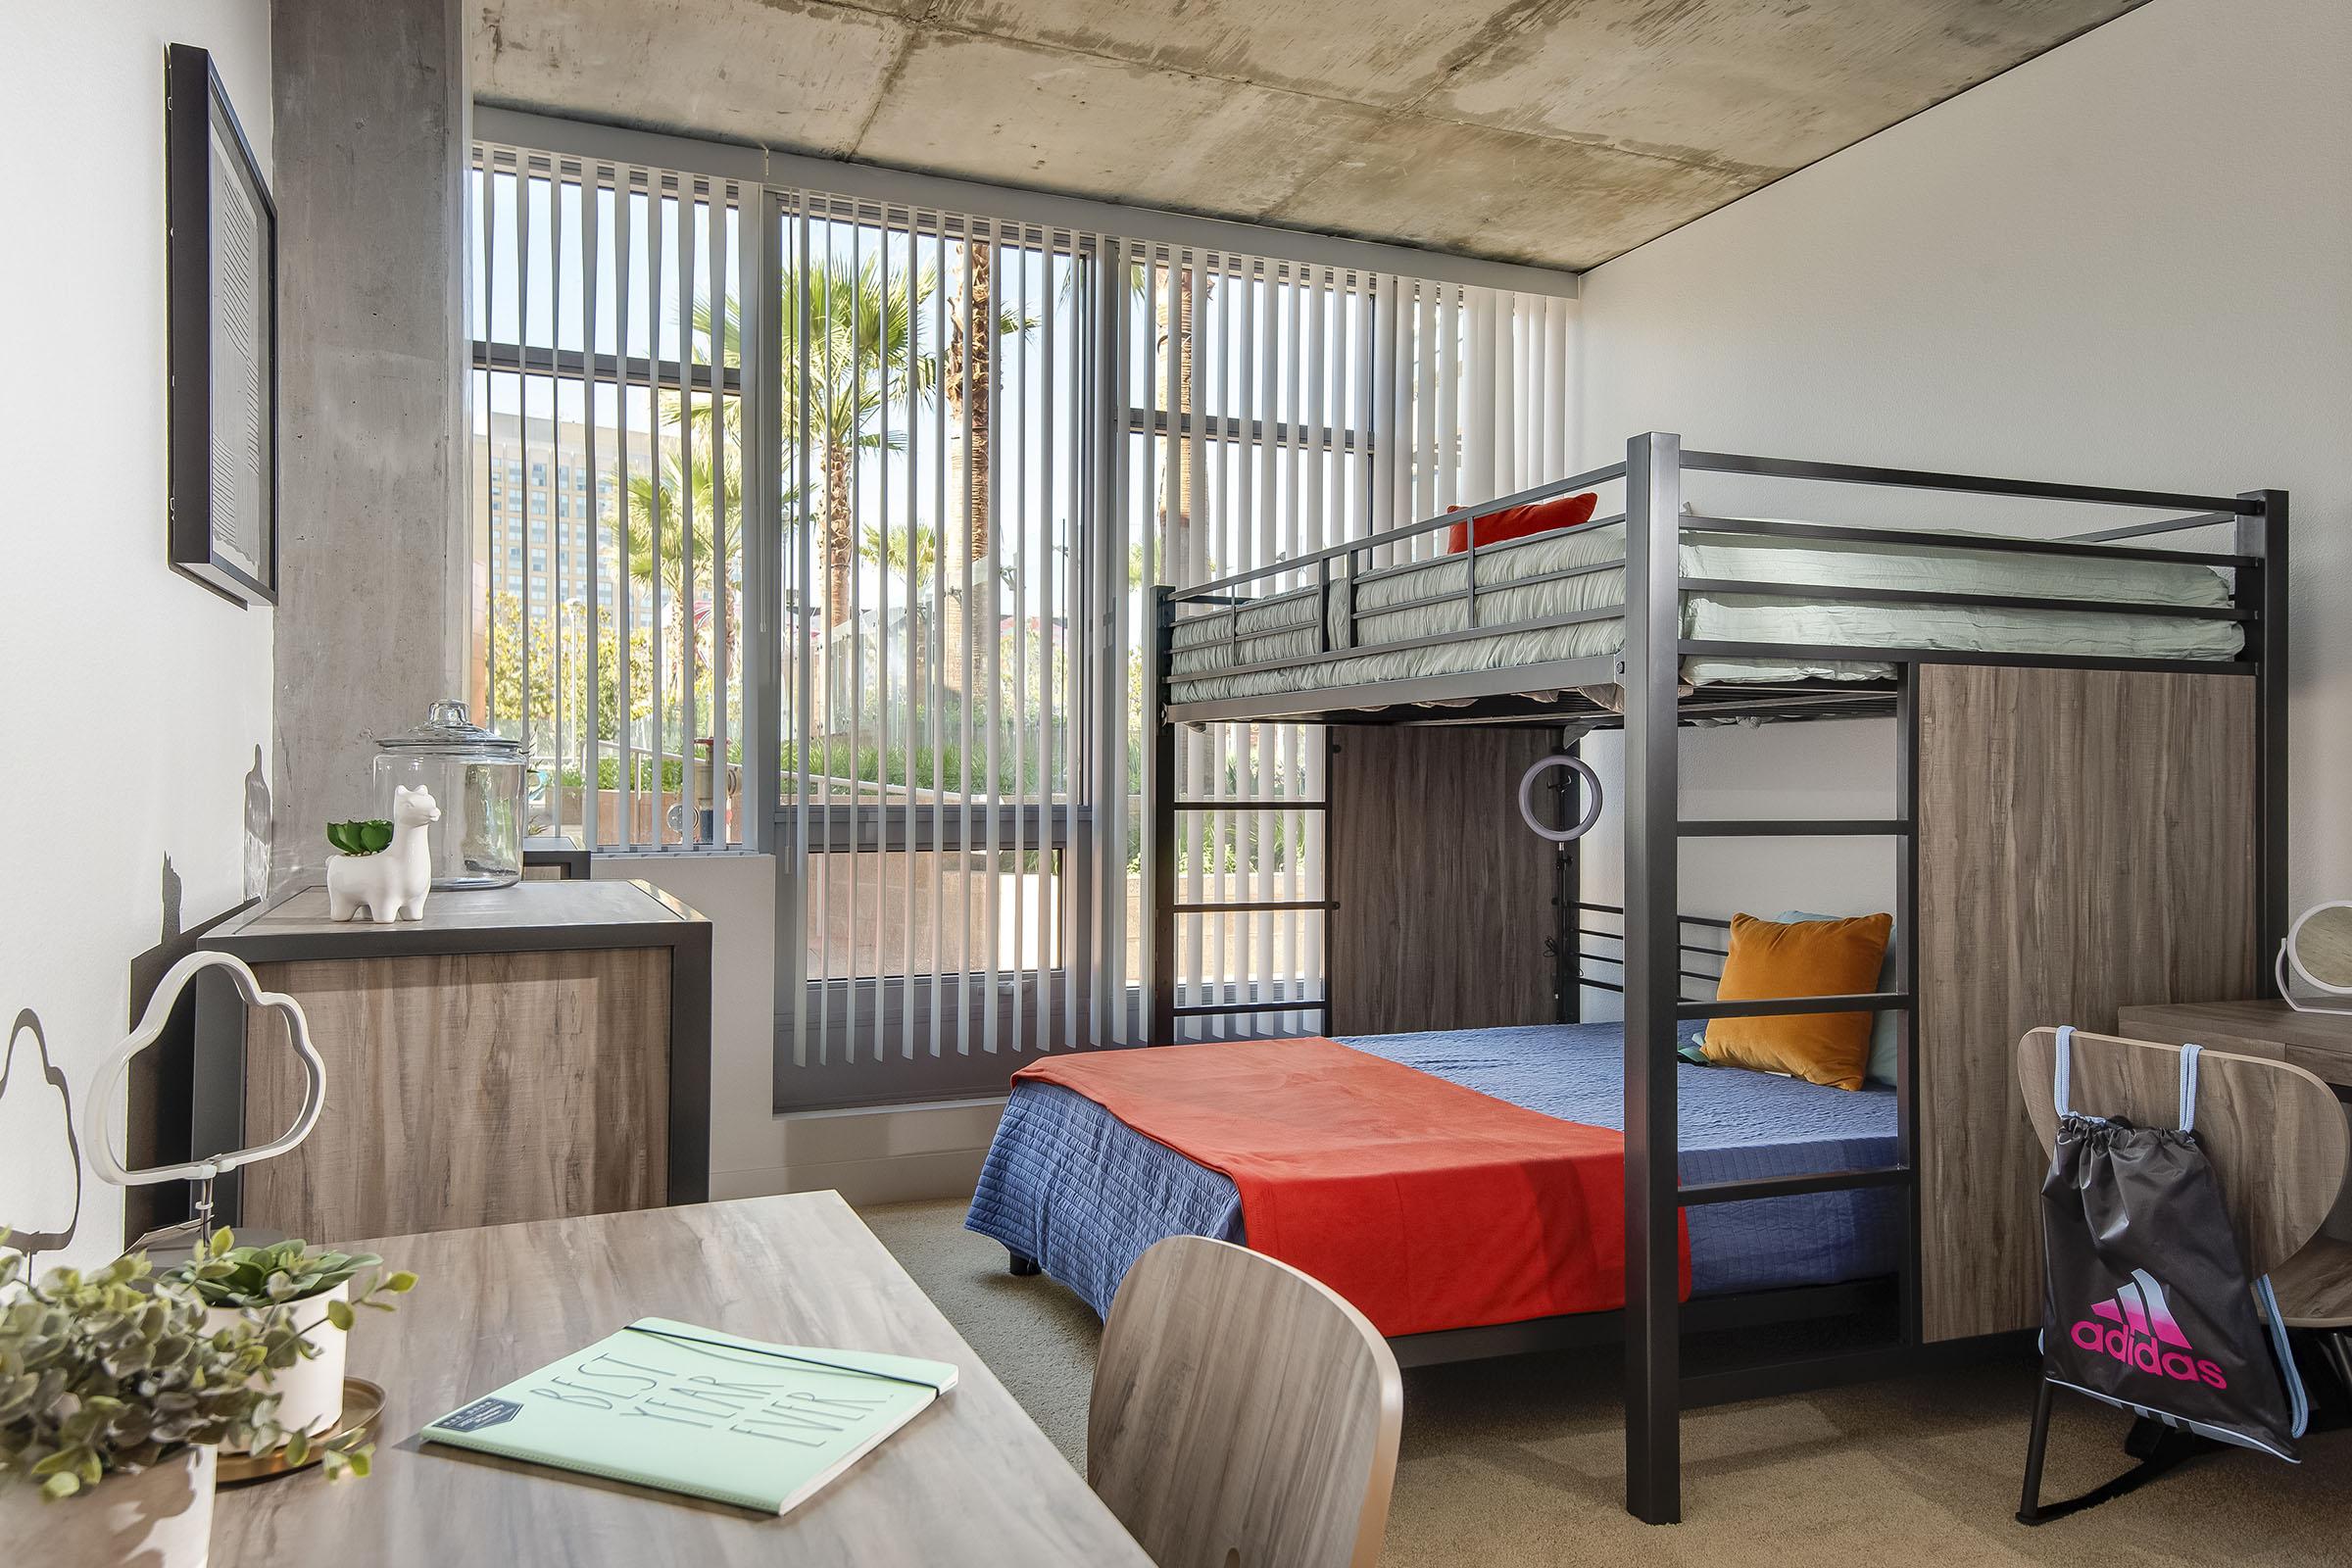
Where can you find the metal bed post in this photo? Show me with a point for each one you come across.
(1648, 667)
(1911, 1308)
(2263, 533)
(1160, 858)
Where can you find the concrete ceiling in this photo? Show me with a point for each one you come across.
(1555, 131)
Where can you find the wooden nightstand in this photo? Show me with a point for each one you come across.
(2319, 1043)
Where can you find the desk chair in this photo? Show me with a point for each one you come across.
(2276, 1140)
(1244, 1415)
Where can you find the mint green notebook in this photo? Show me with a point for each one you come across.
(692, 1410)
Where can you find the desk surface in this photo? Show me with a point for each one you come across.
(2318, 1042)
(970, 1480)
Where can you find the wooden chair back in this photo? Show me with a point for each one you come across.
(1244, 1414)
(2274, 1132)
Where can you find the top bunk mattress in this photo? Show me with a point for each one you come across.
(1427, 600)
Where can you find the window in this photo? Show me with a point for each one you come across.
(931, 715)
(623, 666)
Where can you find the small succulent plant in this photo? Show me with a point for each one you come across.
(113, 1371)
(259, 1278)
(360, 838)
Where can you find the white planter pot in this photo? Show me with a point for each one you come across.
(310, 1392)
(160, 1518)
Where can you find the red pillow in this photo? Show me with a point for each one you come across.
(1521, 522)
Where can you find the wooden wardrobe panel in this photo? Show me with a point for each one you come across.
(1444, 898)
(472, 1089)
(2087, 840)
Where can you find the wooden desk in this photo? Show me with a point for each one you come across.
(971, 1481)
(522, 1053)
(2319, 1043)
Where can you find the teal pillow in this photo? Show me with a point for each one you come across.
(1885, 1043)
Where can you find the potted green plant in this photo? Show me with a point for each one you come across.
(115, 1396)
(309, 1289)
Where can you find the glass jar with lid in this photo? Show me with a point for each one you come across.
(476, 777)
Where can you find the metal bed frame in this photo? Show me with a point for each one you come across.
(1646, 669)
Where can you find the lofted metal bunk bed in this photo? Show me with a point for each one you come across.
(2104, 690)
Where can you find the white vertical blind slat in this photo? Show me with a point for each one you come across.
(992, 622)
(1016, 409)
(941, 545)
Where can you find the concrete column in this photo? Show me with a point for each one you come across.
(373, 120)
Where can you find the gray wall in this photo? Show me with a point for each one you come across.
(372, 115)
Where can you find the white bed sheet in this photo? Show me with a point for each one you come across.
(1201, 647)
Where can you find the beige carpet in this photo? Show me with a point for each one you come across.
(1515, 1463)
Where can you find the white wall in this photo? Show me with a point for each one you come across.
(871, 1156)
(2128, 262)
(134, 700)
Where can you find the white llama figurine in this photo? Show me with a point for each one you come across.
(392, 882)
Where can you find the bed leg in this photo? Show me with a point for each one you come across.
(1019, 1267)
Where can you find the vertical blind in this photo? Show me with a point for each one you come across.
(828, 525)
(934, 396)
(1290, 407)
(609, 492)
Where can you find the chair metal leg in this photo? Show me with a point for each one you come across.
(2167, 1450)
(2335, 1353)
(2029, 1508)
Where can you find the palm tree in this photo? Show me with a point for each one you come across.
(865, 354)
(865, 351)
(879, 547)
(659, 504)
(972, 384)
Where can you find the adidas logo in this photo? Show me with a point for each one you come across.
(2139, 1330)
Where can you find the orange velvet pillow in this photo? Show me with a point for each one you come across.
(1805, 958)
(1521, 522)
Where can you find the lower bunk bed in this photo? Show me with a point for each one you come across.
(1074, 1190)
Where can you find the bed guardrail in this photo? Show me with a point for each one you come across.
(1311, 579)
(1704, 926)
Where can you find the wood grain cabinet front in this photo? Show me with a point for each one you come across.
(481, 1071)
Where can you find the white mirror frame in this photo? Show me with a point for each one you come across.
(2288, 958)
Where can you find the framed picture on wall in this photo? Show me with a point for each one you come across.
(222, 269)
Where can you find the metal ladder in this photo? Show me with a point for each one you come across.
(1657, 1390)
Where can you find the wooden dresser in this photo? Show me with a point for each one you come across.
(526, 1053)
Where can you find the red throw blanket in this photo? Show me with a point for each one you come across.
(1427, 1204)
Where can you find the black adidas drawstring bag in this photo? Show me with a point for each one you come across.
(2147, 1303)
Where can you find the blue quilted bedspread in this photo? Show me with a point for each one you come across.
(1074, 1188)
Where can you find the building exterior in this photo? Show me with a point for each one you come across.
(532, 514)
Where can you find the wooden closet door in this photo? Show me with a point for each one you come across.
(1444, 899)
(2086, 841)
